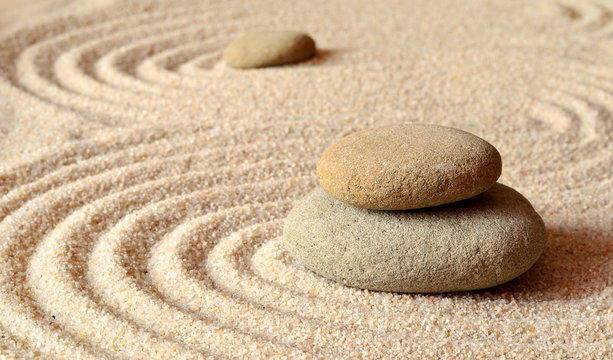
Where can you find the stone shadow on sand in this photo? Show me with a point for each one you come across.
(325, 57)
(575, 264)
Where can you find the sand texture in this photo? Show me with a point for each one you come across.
(143, 184)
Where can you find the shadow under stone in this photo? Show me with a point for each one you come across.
(575, 264)
(324, 57)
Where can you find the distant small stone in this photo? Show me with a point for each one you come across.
(408, 166)
(269, 48)
(473, 244)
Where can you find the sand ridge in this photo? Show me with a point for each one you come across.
(143, 184)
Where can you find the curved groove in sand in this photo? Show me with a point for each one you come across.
(109, 258)
(77, 69)
(57, 270)
(157, 68)
(33, 61)
(40, 163)
(126, 176)
(128, 143)
(593, 16)
(145, 74)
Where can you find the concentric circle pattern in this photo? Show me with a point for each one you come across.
(143, 183)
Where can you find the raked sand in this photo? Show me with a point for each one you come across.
(143, 184)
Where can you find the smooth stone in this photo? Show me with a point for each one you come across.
(408, 166)
(473, 244)
(269, 48)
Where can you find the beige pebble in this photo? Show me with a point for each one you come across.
(408, 166)
(269, 48)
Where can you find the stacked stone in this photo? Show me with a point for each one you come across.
(414, 208)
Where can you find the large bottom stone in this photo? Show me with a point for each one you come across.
(472, 244)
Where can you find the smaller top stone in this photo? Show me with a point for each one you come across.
(269, 48)
(409, 166)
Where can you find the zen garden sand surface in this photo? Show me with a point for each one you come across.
(144, 183)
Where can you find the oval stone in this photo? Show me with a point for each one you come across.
(269, 48)
(473, 244)
(408, 166)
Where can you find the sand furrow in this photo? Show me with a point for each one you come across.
(75, 68)
(145, 73)
(63, 202)
(121, 51)
(173, 166)
(79, 194)
(110, 262)
(37, 77)
(14, 348)
(590, 15)
(39, 163)
(58, 267)
(102, 151)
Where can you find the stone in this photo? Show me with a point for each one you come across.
(473, 244)
(269, 48)
(408, 166)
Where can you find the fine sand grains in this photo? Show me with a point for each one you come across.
(144, 184)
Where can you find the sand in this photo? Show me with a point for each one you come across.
(143, 184)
